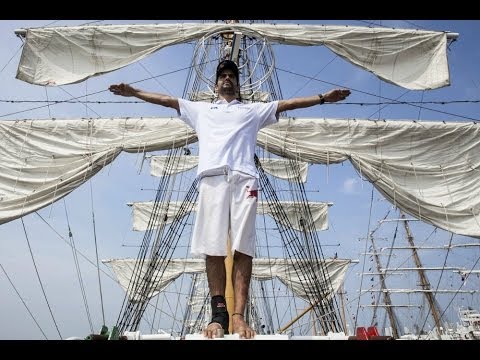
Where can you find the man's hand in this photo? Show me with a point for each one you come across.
(336, 95)
(123, 90)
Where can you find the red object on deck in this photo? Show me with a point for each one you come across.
(361, 333)
(372, 331)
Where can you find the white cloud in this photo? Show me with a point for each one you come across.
(350, 185)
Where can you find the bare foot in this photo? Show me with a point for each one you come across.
(241, 328)
(213, 330)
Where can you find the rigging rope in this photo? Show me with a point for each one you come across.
(324, 308)
(24, 303)
(77, 267)
(39, 279)
(164, 243)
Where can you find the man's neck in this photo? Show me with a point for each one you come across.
(227, 98)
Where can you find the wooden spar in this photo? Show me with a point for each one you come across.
(341, 294)
(386, 295)
(291, 322)
(229, 293)
(229, 39)
(424, 283)
(23, 33)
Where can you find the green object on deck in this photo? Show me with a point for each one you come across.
(104, 330)
(105, 334)
(114, 334)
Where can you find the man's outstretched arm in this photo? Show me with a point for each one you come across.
(303, 102)
(154, 98)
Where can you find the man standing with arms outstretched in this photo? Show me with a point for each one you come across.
(227, 133)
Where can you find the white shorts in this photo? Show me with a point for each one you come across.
(227, 206)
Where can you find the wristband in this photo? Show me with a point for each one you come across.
(322, 99)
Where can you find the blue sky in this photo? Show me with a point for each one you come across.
(301, 71)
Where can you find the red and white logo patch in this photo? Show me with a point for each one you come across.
(252, 193)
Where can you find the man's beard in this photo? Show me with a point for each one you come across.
(228, 91)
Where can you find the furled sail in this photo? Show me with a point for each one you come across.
(44, 160)
(294, 212)
(166, 213)
(263, 269)
(279, 168)
(414, 59)
(159, 165)
(437, 180)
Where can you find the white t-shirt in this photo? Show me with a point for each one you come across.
(227, 132)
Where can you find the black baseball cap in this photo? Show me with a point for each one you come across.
(227, 64)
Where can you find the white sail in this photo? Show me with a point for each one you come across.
(414, 59)
(142, 214)
(294, 211)
(44, 160)
(279, 168)
(436, 180)
(166, 213)
(263, 269)
(159, 165)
